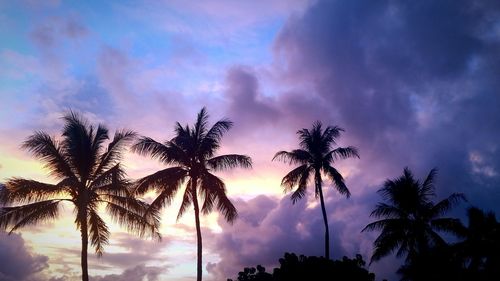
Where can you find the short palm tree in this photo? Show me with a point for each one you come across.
(88, 176)
(408, 219)
(191, 155)
(314, 157)
(480, 251)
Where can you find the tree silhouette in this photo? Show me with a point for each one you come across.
(192, 154)
(409, 220)
(88, 176)
(315, 157)
(301, 268)
(438, 263)
(480, 251)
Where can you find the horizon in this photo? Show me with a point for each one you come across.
(412, 84)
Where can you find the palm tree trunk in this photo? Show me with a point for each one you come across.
(198, 233)
(319, 188)
(85, 243)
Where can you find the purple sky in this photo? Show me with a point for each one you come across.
(414, 83)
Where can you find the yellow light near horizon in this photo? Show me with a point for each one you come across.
(19, 167)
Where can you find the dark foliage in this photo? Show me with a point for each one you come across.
(295, 268)
(475, 258)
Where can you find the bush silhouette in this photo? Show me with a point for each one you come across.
(295, 268)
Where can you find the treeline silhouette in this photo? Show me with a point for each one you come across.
(295, 268)
(85, 161)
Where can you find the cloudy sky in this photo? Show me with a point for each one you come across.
(413, 83)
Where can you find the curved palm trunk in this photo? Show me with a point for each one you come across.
(198, 233)
(85, 243)
(323, 210)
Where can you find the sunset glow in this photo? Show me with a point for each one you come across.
(412, 84)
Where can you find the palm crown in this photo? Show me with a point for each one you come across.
(191, 153)
(410, 220)
(88, 175)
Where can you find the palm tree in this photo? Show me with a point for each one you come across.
(88, 176)
(480, 251)
(314, 157)
(408, 219)
(191, 155)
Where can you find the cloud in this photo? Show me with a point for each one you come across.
(207, 21)
(266, 228)
(137, 273)
(127, 252)
(57, 29)
(17, 263)
(245, 103)
(410, 88)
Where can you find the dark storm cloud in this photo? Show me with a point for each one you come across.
(16, 261)
(415, 83)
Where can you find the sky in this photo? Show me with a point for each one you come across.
(413, 83)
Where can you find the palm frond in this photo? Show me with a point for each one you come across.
(187, 198)
(435, 239)
(214, 192)
(200, 127)
(149, 147)
(30, 214)
(337, 180)
(447, 204)
(22, 191)
(378, 225)
(114, 152)
(294, 177)
(77, 141)
(97, 139)
(225, 207)
(387, 211)
(330, 134)
(427, 189)
(305, 138)
(386, 245)
(296, 156)
(229, 161)
(210, 187)
(114, 175)
(342, 153)
(99, 232)
(211, 142)
(134, 222)
(168, 180)
(449, 225)
(300, 192)
(49, 151)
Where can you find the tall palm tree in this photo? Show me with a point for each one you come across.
(191, 155)
(88, 175)
(408, 219)
(314, 157)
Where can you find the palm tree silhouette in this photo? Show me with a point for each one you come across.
(409, 219)
(480, 251)
(315, 157)
(88, 176)
(192, 154)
